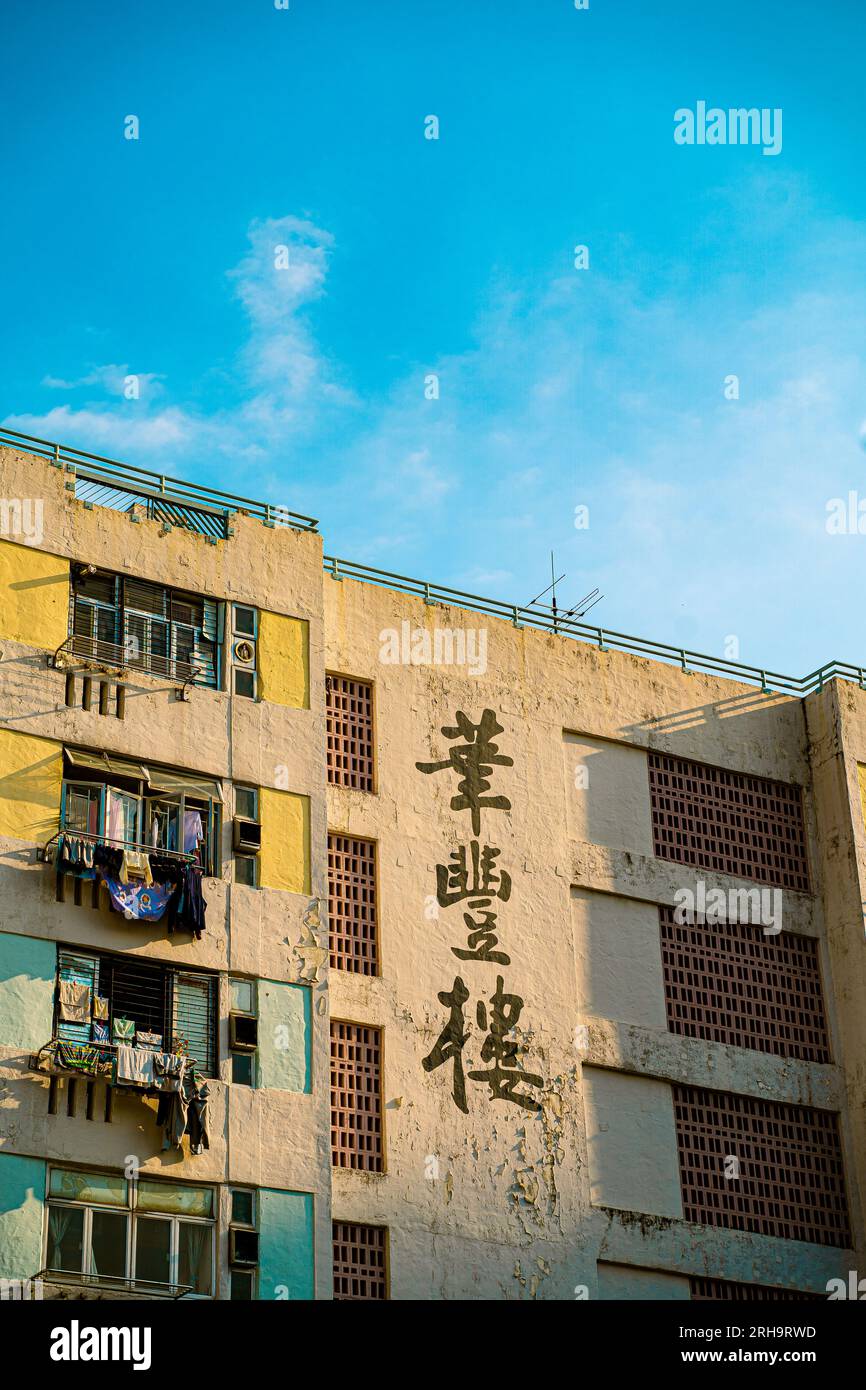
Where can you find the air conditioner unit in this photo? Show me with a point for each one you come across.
(244, 652)
(243, 1032)
(243, 1248)
(246, 835)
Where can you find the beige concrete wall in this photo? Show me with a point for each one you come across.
(269, 1137)
(631, 1143)
(463, 1194)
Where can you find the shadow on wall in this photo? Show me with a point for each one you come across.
(25, 791)
(756, 713)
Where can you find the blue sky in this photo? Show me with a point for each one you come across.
(558, 387)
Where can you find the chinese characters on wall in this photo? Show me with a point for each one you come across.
(474, 878)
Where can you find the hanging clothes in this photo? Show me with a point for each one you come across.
(74, 1002)
(135, 865)
(114, 820)
(136, 901)
(193, 832)
(77, 1057)
(134, 1066)
(197, 1116)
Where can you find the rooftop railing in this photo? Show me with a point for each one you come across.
(604, 639)
(213, 508)
(106, 483)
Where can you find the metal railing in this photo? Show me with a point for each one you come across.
(191, 505)
(117, 658)
(69, 832)
(604, 639)
(163, 491)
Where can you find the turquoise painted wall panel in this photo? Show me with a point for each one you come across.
(286, 1267)
(22, 1188)
(27, 972)
(285, 1036)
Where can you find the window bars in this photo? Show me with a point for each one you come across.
(731, 983)
(728, 822)
(352, 904)
(761, 1166)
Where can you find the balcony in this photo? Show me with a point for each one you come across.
(143, 883)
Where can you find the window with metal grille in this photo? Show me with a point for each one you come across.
(360, 1261)
(350, 732)
(121, 621)
(178, 1005)
(732, 983)
(725, 1290)
(356, 1099)
(791, 1180)
(729, 822)
(352, 916)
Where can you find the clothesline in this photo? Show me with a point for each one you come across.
(125, 844)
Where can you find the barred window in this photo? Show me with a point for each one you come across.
(726, 1290)
(120, 621)
(729, 822)
(352, 904)
(732, 983)
(349, 707)
(788, 1180)
(356, 1100)
(178, 1005)
(360, 1264)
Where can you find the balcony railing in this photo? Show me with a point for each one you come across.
(116, 658)
(141, 1288)
(70, 833)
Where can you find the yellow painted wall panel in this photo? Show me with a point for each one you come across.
(284, 660)
(34, 596)
(285, 854)
(31, 772)
(861, 778)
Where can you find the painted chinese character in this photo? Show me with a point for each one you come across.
(475, 759)
(504, 1075)
(482, 939)
(451, 1042)
(478, 878)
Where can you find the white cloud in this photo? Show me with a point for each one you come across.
(706, 515)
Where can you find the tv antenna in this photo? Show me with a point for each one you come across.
(582, 606)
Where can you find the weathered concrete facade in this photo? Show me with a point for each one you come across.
(577, 1194)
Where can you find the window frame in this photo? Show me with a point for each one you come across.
(170, 977)
(209, 854)
(133, 1216)
(147, 621)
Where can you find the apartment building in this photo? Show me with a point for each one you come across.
(531, 967)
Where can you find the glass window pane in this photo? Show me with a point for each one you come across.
(245, 870)
(246, 802)
(245, 621)
(194, 1256)
(98, 1188)
(242, 996)
(245, 683)
(242, 1068)
(65, 1238)
(171, 1197)
(108, 1244)
(152, 1250)
(242, 1207)
(242, 1286)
